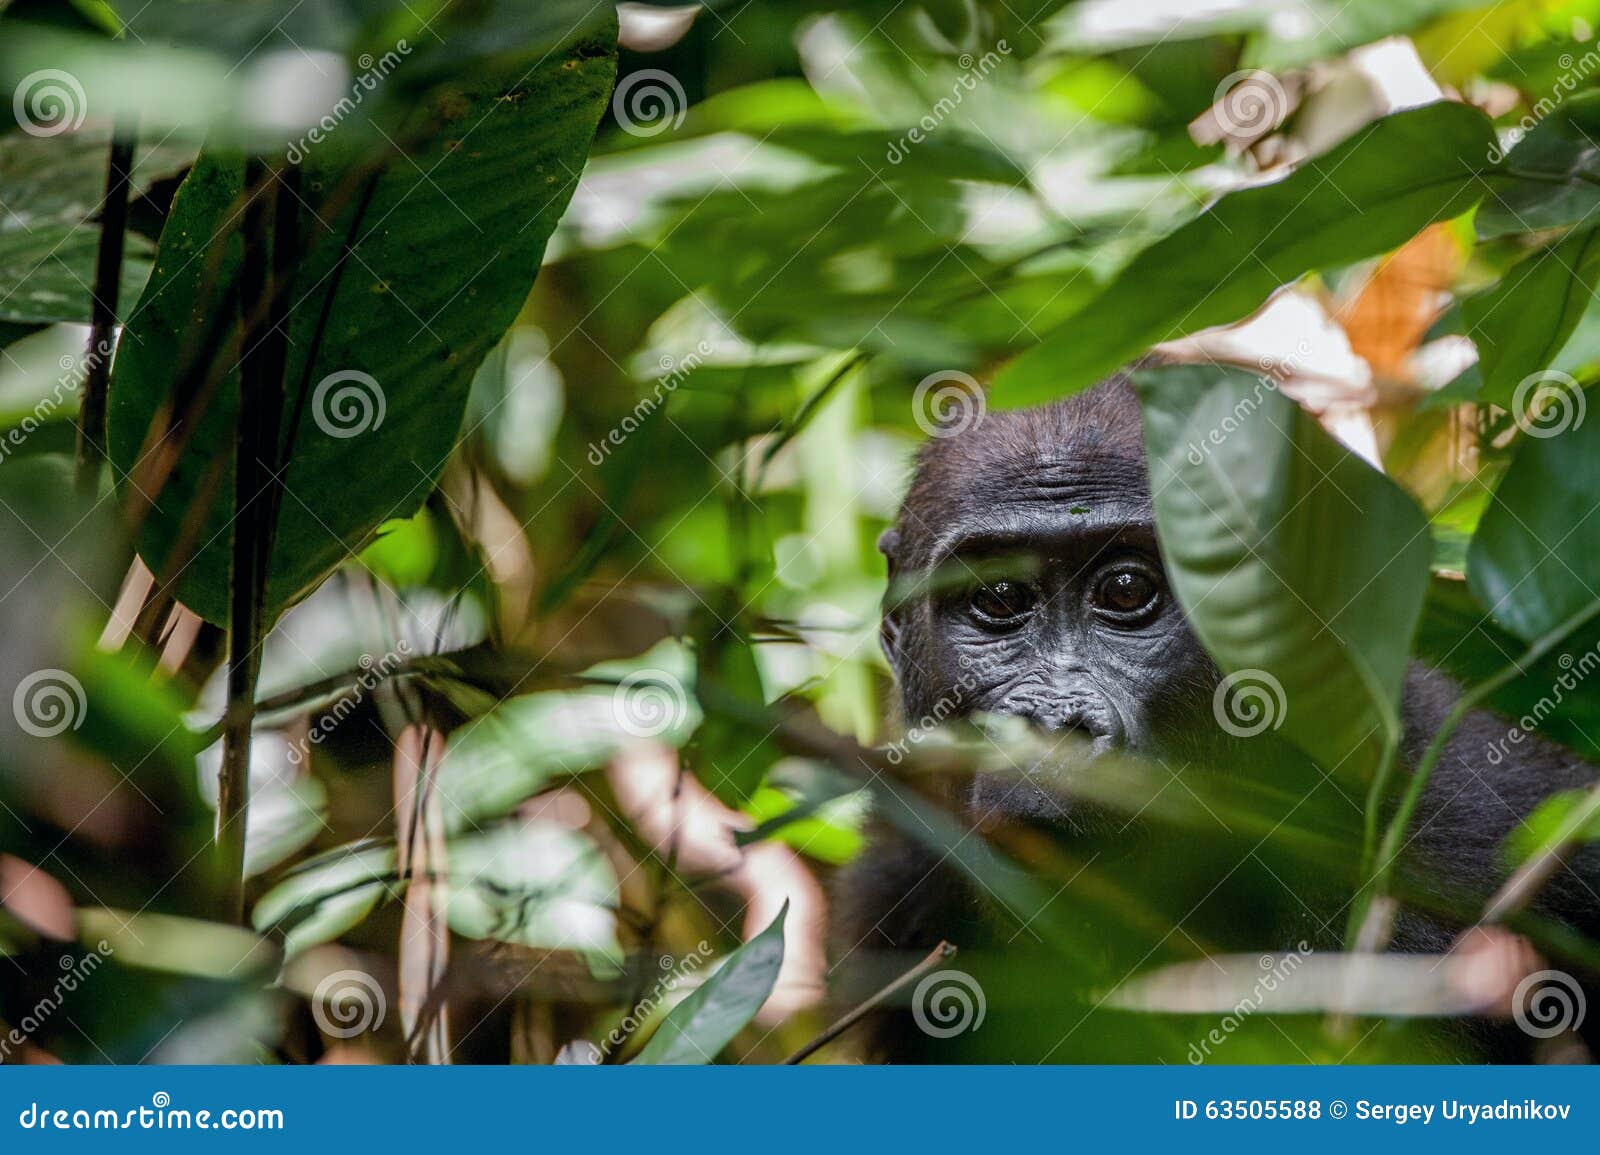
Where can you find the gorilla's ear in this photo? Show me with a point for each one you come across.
(889, 544)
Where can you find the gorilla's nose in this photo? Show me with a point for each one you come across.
(1085, 713)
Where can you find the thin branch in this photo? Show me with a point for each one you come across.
(256, 490)
(940, 954)
(1530, 878)
(91, 447)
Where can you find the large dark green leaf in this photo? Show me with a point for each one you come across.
(1535, 559)
(239, 30)
(1552, 175)
(731, 753)
(49, 222)
(47, 272)
(1291, 556)
(722, 1006)
(1366, 196)
(1522, 323)
(258, 73)
(444, 243)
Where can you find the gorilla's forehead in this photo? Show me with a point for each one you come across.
(1041, 504)
(1046, 480)
(1073, 469)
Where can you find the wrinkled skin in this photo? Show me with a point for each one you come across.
(1025, 579)
(1048, 600)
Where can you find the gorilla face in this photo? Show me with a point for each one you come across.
(1026, 580)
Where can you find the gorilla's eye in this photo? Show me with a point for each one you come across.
(1002, 602)
(1126, 593)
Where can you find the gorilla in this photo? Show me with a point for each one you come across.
(1026, 579)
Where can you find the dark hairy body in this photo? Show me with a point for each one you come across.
(1059, 612)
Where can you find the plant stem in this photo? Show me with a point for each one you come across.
(91, 448)
(1530, 878)
(1376, 793)
(255, 492)
(1379, 872)
(1375, 796)
(935, 958)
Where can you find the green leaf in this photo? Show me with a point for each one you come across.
(1551, 177)
(1535, 560)
(1291, 556)
(828, 829)
(525, 743)
(240, 31)
(40, 377)
(1521, 324)
(328, 895)
(1368, 195)
(47, 273)
(405, 551)
(444, 244)
(539, 884)
(1551, 824)
(1459, 638)
(722, 1006)
(49, 226)
(177, 945)
(1324, 28)
(731, 753)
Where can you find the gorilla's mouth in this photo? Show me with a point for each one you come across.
(1040, 790)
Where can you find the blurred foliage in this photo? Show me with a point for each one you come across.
(573, 659)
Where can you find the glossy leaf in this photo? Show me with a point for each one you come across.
(1535, 559)
(1521, 324)
(49, 222)
(1366, 196)
(444, 243)
(1552, 175)
(722, 1006)
(1460, 638)
(1291, 555)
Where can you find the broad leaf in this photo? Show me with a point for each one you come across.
(722, 1006)
(47, 272)
(1366, 196)
(444, 242)
(524, 743)
(328, 895)
(1291, 556)
(176, 945)
(1521, 324)
(49, 222)
(1552, 175)
(1535, 560)
(539, 884)
(448, 33)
